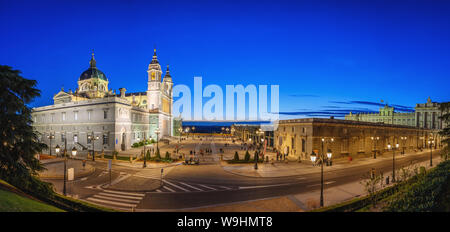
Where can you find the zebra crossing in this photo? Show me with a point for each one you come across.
(179, 186)
(117, 199)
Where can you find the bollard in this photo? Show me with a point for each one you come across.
(387, 180)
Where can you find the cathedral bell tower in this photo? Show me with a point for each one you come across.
(154, 83)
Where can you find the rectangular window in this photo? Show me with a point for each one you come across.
(64, 116)
(105, 114)
(63, 138)
(75, 138)
(105, 139)
(75, 115)
(89, 115)
(89, 141)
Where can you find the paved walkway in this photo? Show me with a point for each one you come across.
(292, 168)
(55, 168)
(304, 201)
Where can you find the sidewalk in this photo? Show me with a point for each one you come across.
(55, 168)
(304, 201)
(293, 168)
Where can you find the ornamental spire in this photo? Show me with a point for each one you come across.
(155, 58)
(92, 62)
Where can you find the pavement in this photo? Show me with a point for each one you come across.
(55, 168)
(294, 168)
(305, 201)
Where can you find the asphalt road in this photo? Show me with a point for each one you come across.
(191, 186)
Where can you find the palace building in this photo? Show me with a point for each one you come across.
(426, 115)
(300, 137)
(118, 120)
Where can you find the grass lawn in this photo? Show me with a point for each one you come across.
(11, 202)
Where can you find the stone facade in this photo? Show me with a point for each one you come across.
(248, 133)
(119, 120)
(300, 137)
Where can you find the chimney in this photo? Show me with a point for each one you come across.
(122, 92)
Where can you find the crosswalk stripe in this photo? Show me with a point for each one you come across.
(207, 187)
(158, 190)
(190, 186)
(168, 188)
(176, 186)
(116, 199)
(111, 202)
(125, 193)
(120, 196)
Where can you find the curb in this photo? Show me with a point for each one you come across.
(60, 177)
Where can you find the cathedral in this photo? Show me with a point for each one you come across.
(95, 117)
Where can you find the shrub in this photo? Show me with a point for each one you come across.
(423, 195)
(247, 156)
(236, 156)
(167, 155)
(148, 154)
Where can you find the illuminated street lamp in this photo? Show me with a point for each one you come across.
(93, 137)
(74, 151)
(50, 137)
(375, 139)
(57, 149)
(431, 143)
(403, 138)
(314, 157)
(393, 158)
(329, 154)
(180, 130)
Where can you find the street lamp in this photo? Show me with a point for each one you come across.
(393, 158)
(329, 154)
(74, 151)
(145, 155)
(431, 143)
(314, 157)
(50, 137)
(403, 138)
(180, 130)
(375, 139)
(259, 132)
(93, 137)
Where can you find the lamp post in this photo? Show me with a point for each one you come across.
(50, 137)
(93, 138)
(187, 131)
(180, 130)
(57, 149)
(431, 143)
(393, 158)
(157, 138)
(321, 158)
(375, 139)
(403, 138)
(259, 133)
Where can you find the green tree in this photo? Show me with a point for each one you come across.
(247, 156)
(167, 155)
(445, 132)
(236, 156)
(18, 142)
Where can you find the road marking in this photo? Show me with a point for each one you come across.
(263, 186)
(207, 187)
(84, 178)
(111, 202)
(169, 189)
(329, 182)
(125, 193)
(190, 186)
(117, 199)
(176, 186)
(158, 191)
(122, 196)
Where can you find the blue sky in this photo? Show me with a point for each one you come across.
(328, 57)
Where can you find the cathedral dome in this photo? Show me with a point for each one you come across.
(93, 71)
